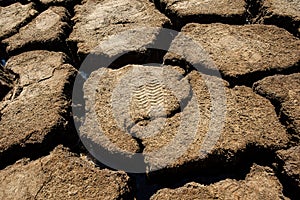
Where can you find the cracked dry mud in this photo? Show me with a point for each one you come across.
(216, 118)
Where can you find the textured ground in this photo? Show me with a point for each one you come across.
(254, 45)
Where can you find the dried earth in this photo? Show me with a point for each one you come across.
(98, 100)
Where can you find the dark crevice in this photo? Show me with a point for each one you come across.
(218, 167)
(72, 51)
(8, 80)
(38, 6)
(140, 143)
(294, 137)
(253, 10)
(3, 56)
(246, 80)
(56, 45)
(69, 6)
(290, 187)
(179, 22)
(160, 6)
(250, 78)
(283, 119)
(36, 150)
(213, 170)
(169, 25)
(94, 62)
(284, 22)
(9, 2)
(188, 67)
(113, 160)
(217, 162)
(143, 57)
(80, 149)
(71, 47)
(151, 53)
(146, 189)
(263, 16)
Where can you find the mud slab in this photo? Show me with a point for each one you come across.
(14, 17)
(209, 11)
(95, 21)
(36, 109)
(241, 53)
(244, 129)
(62, 175)
(47, 31)
(260, 183)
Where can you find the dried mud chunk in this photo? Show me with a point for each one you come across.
(6, 82)
(122, 100)
(97, 20)
(242, 54)
(284, 91)
(204, 11)
(13, 17)
(290, 161)
(260, 183)
(38, 109)
(290, 111)
(284, 13)
(62, 175)
(47, 31)
(250, 122)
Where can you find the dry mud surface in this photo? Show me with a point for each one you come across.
(150, 107)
